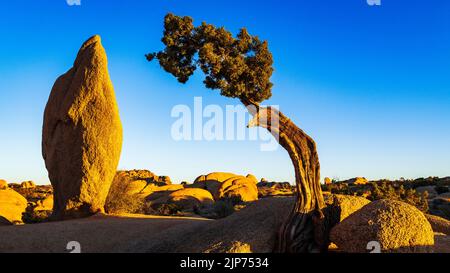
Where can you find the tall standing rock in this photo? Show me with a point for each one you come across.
(82, 134)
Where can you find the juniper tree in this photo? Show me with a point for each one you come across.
(241, 67)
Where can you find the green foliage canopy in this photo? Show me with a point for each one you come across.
(240, 67)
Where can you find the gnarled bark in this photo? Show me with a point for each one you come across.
(306, 228)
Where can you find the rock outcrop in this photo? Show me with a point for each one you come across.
(440, 205)
(163, 179)
(3, 184)
(215, 176)
(45, 204)
(441, 243)
(136, 187)
(252, 178)
(228, 185)
(396, 226)
(267, 189)
(439, 224)
(429, 189)
(143, 175)
(12, 205)
(345, 205)
(142, 182)
(186, 200)
(190, 198)
(212, 182)
(82, 134)
(27, 185)
(239, 187)
(167, 188)
(356, 181)
(252, 229)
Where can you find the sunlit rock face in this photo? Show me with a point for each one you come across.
(3, 184)
(228, 185)
(12, 206)
(82, 134)
(393, 225)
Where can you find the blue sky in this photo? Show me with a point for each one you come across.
(371, 84)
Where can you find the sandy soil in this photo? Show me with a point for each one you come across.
(143, 233)
(95, 234)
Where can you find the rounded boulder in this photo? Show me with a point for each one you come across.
(394, 225)
(12, 205)
(189, 198)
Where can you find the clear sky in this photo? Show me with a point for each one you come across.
(371, 84)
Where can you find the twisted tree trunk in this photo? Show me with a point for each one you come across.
(306, 228)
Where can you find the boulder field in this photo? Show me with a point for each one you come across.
(398, 227)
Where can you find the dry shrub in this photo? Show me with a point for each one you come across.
(163, 209)
(34, 217)
(221, 208)
(118, 201)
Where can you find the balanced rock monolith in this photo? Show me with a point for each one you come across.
(82, 135)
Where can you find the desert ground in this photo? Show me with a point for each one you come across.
(192, 226)
(98, 234)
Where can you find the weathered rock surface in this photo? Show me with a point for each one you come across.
(4, 221)
(215, 176)
(226, 185)
(345, 204)
(252, 229)
(164, 179)
(230, 247)
(397, 226)
(211, 182)
(3, 184)
(137, 175)
(441, 243)
(167, 188)
(188, 199)
(143, 175)
(12, 205)
(356, 181)
(45, 204)
(82, 134)
(252, 178)
(442, 198)
(429, 189)
(184, 199)
(142, 183)
(268, 189)
(28, 185)
(440, 206)
(240, 187)
(439, 224)
(135, 187)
